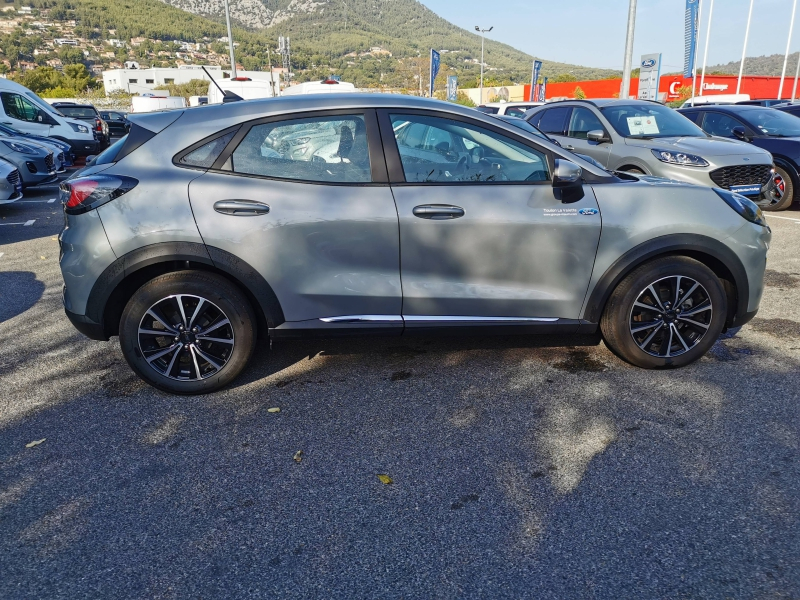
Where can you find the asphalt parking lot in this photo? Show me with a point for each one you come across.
(519, 469)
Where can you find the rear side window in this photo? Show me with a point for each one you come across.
(321, 149)
(553, 120)
(694, 117)
(489, 110)
(109, 155)
(582, 122)
(205, 155)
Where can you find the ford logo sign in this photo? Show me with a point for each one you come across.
(588, 211)
(648, 63)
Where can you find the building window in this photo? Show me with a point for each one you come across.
(148, 81)
(133, 81)
(168, 80)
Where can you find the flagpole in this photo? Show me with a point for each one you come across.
(744, 49)
(533, 83)
(694, 43)
(705, 53)
(786, 55)
(628, 60)
(430, 78)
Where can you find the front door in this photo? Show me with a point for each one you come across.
(299, 201)
(481, 232)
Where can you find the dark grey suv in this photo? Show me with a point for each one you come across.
(207, 228)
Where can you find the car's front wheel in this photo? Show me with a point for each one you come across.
(188, 332)
(781, 191)
(666, 313)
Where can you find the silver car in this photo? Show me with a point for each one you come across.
(10, 183)
(188, 241)
(36, 164)
(643, 137)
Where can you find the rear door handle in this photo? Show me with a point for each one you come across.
(438, 211)
(569, 147)
(241, 208)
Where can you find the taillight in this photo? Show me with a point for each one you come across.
(99, 124)
(86, 193)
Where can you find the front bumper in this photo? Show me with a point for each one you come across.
(13, 198)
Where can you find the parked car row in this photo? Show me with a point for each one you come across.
(751, 150)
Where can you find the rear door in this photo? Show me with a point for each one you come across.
(482, 236)
(306, 203)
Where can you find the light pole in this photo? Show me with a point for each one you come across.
(230, 39)
(482, 32)
(744, 48)
(626, 66)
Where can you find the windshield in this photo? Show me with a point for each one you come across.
(42, 103)
(771, 122)
(647, 121)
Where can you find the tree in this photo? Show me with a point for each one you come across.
(579, 93)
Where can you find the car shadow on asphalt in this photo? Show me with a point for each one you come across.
(19, 291)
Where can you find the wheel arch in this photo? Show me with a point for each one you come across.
(123, 277)
(712, 253)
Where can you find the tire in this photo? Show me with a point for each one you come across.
(782, 190)
(633, 170)
(624, 325)
(208, 353)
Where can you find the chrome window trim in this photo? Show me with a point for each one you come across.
(434, 318)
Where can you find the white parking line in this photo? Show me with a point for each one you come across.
(786, 218)
(1, 254)
(51, 200)
(29, 223)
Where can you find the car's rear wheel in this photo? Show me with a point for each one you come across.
(188, 332)
(781, 192)
(666, 313)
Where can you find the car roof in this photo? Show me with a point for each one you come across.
(73, 104)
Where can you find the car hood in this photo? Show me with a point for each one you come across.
(701, 146)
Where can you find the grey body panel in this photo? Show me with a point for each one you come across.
(85, 254)
(516, 252)
(635, 213)
(325, 250)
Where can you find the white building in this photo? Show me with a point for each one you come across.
(143, 81)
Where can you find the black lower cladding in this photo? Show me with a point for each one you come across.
(92, 330)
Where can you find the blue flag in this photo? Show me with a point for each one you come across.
(690, 36)
(435, 59)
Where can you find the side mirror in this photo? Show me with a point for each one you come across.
(90, 158)
(555, 141)
(567, 184)
(740, 134)
(597, 135)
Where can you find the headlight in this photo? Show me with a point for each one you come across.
(300, 141)
(79, 128)
(747, 208)
(21, 148)
(679, 158)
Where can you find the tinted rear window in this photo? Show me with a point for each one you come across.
(77, 112)
(205, 155)
(554, 119)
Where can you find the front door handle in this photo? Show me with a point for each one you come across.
(438, 211)
(241, 208)
(568, 147)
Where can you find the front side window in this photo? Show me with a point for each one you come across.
(324, 149)
(649, 120)
(436, 149)
(582, 122)
(773, 123)
(719, 124)
(553, 120)
(17, 107)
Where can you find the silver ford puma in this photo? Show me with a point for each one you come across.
(206, 228)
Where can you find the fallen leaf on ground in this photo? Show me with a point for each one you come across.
(35, 443)
(385, 479)
(54, 239)
(298, 456)
(43, 257)
(274, 409)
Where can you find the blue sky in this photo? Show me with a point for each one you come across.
(592, 32)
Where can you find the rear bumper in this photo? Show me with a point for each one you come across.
(92, 330)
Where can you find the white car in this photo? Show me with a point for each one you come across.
(513, 109)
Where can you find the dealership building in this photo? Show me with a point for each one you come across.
(143, 81)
